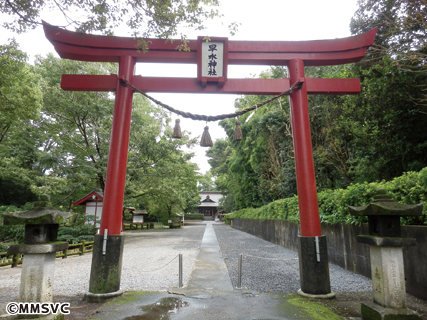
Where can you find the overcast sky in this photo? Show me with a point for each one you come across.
(260, 20)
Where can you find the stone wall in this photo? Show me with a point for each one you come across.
(345, 251)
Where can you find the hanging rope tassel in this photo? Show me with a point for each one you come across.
(206, 138)
(238, 136)
(177, 130)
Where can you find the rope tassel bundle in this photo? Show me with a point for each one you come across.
(177, 130)
(238, 136)
(206, 140)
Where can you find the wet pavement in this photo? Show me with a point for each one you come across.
(208, 295)
(209, 292)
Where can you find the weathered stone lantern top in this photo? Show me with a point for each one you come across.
(41, 222)
(384, 205)
(384, 219)
(42, 213)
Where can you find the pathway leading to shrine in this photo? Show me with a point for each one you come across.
(210, 273)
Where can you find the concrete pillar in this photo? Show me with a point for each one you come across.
(106, 269)
(314, 267)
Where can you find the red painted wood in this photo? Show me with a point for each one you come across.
(294, 54)
(117, 156)
(85, 47)
(80, 82)
(57, 34)
(72, 82)
(67, 51)
(304, 164)
(282, 58)
(332, 86)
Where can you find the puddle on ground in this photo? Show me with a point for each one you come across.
(161, 310)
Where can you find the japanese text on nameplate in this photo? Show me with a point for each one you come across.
(212, 59)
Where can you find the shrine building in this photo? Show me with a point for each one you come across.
(93, 203)
(209, 204)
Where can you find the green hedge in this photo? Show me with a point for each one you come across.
(410, 188)
(193, 216)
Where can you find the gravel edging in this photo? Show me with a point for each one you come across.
(150, 262)
(269, 267)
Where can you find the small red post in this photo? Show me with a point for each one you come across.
(118, 154)
(304, 164)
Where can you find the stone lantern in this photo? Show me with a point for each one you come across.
(39, 249)
(386, 244)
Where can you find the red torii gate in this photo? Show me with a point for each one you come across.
(293, 54)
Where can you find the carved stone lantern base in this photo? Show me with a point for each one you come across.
(373, 311)
(37, 273)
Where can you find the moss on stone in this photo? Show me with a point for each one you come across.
(314, 310)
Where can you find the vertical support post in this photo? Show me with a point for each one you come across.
(304, 163)
(180, 271)
(118, 154)
(15, 260)
(106, 283)
(239, 271)
(314, 274)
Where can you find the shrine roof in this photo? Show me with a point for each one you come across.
(98, 194)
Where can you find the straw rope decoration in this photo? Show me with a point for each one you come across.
(206, 140)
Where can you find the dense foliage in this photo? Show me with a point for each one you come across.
(376, 135)
(146, 18)
(59, 146)
(410, 188)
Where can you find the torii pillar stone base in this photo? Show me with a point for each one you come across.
(105, 277)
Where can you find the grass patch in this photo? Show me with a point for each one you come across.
(314, 310)
(128, 296)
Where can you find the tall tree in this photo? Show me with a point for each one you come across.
(20, 103)
(401, 36)
(260, 168)
(77, 124)
(64, 152)
(146, 18)
(206, 183)
(20, 95)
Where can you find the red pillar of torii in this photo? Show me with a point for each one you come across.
(293, 54)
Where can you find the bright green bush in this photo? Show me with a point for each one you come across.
(76, 233)
(175, 222)
(193, 216)
(410, 188)
(10, 234)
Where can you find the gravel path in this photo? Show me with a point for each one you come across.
(269, 267)
(150, 262)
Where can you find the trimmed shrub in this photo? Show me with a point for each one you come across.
(193, 216)
(410, 188)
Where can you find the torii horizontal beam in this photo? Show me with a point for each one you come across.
(293, 54)
(96, 48)
(73, 82)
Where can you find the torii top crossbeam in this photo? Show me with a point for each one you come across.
(212, 59)
(95, 48)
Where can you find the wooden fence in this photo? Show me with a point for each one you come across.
(73, 249)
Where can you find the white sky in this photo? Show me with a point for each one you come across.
(260, 20)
